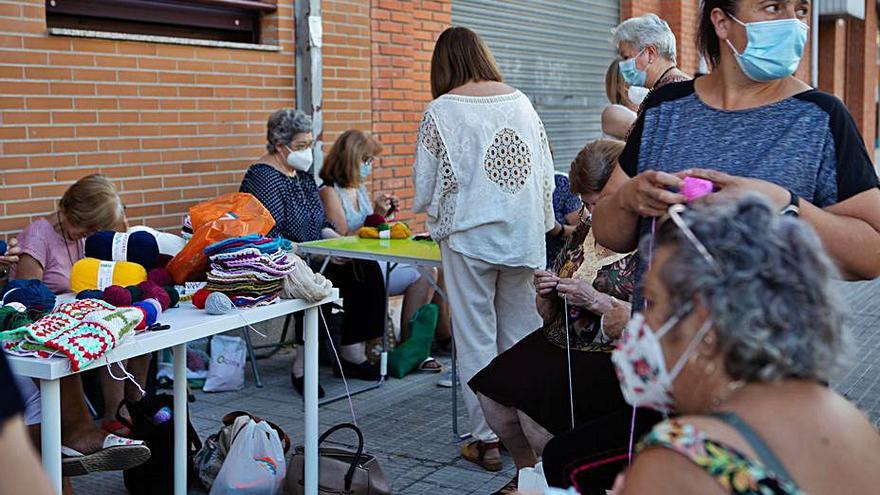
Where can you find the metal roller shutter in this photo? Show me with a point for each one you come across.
(555, 51)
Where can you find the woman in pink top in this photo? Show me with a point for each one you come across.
(48, 249)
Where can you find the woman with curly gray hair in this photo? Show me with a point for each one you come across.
(740, 331)
(280, 179)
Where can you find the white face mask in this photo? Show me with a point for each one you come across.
(300, 160)
(636, 94)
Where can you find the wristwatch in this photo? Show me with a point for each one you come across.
(794, 205)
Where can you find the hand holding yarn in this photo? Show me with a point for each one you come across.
(726, 186)
(694, 188)
(9, 253)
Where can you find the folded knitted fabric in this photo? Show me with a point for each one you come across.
(252, 302)
(264, 244)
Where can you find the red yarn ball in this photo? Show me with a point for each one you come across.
(117, 296)
(199, 298)
(146, 286)
(160, 295)
(160, 277)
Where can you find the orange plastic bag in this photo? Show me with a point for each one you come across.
(230, 215)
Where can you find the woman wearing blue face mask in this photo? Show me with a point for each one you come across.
(345, 173)
(741, 330)
(646, 47)
(750, 126)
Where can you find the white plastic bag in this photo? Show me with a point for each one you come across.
(255, 465)
(532, 479)
(226, 370)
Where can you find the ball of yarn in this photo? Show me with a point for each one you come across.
(16, 306)
(137, 247)
(136, 293)
(151, 313)
(694, 188)
(117, 296)
(85, 274)
(173, 295)
(160, 277)
(155, 304)
(3, 248)
(153, 291)
(219, 303)
(33, 294)
(169, 244)
(199, 298)
(91, 294)
(11, 318)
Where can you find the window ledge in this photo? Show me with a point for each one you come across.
(106, 35)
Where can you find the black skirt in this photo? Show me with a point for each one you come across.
(532, 376)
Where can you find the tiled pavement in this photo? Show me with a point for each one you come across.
(407, 423)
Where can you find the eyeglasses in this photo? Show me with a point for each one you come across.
(674, 213)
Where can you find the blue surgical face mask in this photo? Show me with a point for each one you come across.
(631, 74)
(774, 48)
(366, 168)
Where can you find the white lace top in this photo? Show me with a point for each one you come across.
(484, 175)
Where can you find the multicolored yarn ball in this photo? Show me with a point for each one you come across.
(163, 415)
(11, 318)
(173, 295)
(150, 312)
(160, 277)
(137, 294)
(138, 247)
(219, 303)
(33, 294)
(117, 296)
(91, 294)
(694, 188)
(199, 298)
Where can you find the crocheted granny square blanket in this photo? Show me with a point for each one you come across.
(83, 344)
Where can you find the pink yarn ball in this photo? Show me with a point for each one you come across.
(160, 277)
(117, 296)
(695, 188)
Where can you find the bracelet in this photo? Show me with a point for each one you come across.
(794, 205)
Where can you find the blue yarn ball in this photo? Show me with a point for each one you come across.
(142, 248)
(218, 303)
(33, 294)
(3, 248)
(91, 294)
(149, 310)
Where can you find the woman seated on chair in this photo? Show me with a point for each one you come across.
(346, 169)
(48, 248)
(584, 301)
(741, 334)
(282, 181)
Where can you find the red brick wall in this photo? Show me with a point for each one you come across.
(682, 18)
(171, 124)
(402, 42)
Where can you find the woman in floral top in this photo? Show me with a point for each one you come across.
(525, 389)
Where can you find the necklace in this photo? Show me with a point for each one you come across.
(660, 79)
(724, 396)
(66, 239)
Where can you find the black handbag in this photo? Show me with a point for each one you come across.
(156, 476)
(340, 470)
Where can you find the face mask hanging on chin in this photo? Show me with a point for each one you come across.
(773, 50)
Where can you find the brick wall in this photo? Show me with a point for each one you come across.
(171, 124)
(403, 39)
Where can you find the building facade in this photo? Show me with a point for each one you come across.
(175, 111)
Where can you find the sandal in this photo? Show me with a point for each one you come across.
(431, 365)
(484, 454)
(117, 454)
(511, 487)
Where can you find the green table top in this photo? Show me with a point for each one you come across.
(426, 253)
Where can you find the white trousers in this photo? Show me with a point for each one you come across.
(492, 307)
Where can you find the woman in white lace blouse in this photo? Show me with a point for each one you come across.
(484, 175)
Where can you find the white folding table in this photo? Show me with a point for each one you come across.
(187, 324)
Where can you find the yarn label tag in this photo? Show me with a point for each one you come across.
(105, 274)
(120, 247)
(384, 234)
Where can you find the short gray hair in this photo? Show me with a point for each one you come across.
(284, 124)
(773, 307)
(647, 30)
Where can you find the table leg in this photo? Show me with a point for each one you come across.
(383, 361)
(50, 430)
(310, 397)
(180, 416)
